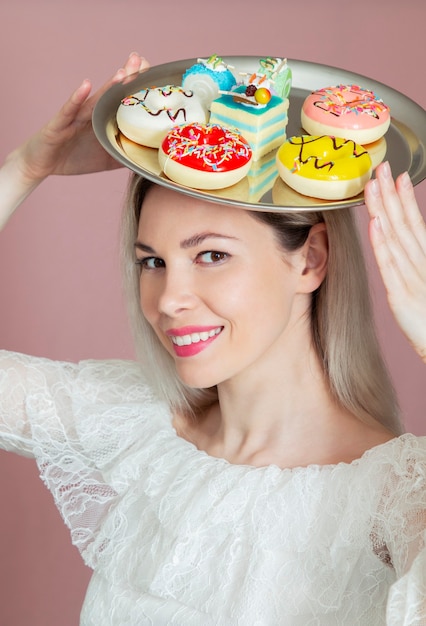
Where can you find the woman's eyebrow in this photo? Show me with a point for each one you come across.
(143, 247)
(197, 239)
(191, 242)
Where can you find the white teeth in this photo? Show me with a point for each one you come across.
(187, 340)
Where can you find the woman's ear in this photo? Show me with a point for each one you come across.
(315, 254)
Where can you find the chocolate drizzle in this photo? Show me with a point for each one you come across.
(173, 115)
(332, 100)
(339, 111)
(133, 100)
(318, 162)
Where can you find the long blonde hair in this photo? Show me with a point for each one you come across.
(343, 330)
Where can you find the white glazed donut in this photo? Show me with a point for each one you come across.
(204, 156)
(146, 116)
(324, 167)
(346, 111)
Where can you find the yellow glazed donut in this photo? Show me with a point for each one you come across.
(324, 167)
(346, 111)
(146, 116)
(204, 156)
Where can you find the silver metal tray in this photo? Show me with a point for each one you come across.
(404, 145)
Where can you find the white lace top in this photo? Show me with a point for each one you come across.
(175, 536)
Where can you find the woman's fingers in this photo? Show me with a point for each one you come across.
(398, 237)
(135, 63)
(71, 109)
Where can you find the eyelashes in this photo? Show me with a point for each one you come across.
(212, 257)
(150, 263)
(207, 257)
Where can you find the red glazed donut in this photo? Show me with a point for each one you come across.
(204, 156)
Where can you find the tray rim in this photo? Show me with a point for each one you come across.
(104, 113)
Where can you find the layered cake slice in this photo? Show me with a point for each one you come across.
(258, 114)
(261, 176)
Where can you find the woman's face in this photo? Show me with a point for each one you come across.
(216, 288)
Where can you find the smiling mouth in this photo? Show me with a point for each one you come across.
(187, 340)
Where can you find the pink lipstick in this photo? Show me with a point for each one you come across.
(190, 340)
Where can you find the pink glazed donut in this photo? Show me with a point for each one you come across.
(346, 111)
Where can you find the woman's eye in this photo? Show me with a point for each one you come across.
(150, 263)
(212, 256)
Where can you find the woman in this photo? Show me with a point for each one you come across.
(252, 471)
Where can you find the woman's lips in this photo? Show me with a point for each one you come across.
(191, 340)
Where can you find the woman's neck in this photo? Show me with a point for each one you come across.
(267, 410)
(285, 416)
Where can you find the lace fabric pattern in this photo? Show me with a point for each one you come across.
(175, 536)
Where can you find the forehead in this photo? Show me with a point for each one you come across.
(168, 209)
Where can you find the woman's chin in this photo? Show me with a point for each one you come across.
(195, 378)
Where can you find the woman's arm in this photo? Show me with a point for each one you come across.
(398, 237)
(65, 145)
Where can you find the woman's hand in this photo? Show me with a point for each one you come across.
(398, 236)
(67, 144)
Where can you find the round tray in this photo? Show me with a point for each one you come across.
(404, 145)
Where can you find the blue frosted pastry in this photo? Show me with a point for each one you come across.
(207, 77)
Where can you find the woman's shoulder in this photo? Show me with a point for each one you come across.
(408, 448)
(401, 517)
(403, 452)
(401, 464)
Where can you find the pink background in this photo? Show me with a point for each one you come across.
(60, 287)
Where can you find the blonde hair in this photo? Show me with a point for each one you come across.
(343, 331)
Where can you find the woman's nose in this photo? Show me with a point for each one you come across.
(177, 293)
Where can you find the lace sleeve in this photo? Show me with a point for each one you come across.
(77, 421)
(25, 382)
(405, 520)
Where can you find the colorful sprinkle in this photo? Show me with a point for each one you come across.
(207, 147)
